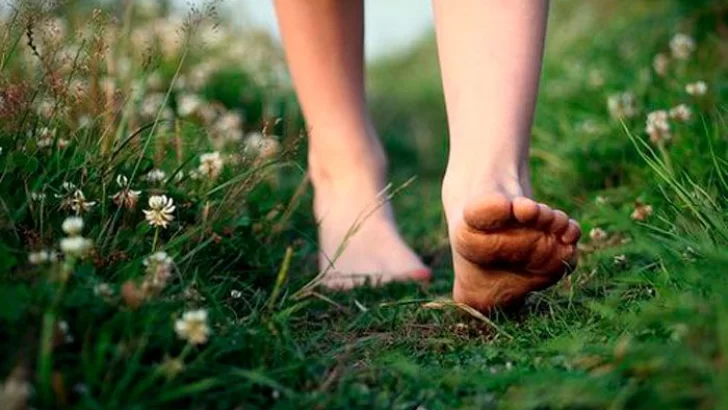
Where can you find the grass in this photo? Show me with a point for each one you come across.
(641, 323)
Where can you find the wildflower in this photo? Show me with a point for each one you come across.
(155, 175)
(39, 257)
(76, 246)
(171, 367)
(263, 147)
(641, 212)
(46, 137)
(159, 270)
(697, 88)
(160, 211)
(597, 234)
(622, 105)
(658, 126)
(65, 331)
(620, 259)
(79, 204)
(188, 104)
(589, 127)
(682, 46)
(72, 226)
(126, 197)
(210, 164)
(104, 291)
(151, 104)
(680, 113)
(38, 196)
(660, 64)
(68, 186)
(193, 327)
(236, 294)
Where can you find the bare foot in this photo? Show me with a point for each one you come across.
(506, 245)
(374, 252)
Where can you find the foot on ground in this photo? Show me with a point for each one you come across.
(505, 247)
(375, 253)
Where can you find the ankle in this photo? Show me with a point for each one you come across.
(355, 168)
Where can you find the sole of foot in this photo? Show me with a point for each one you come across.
(504, 249)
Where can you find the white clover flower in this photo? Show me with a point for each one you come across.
(78, 203)
(155, 175)
(697, 88)
(682, 46)
(236, 294)
(126, 197)
(658, 126)
(622, 105)
(39, 257)
(159, 271)
(210, 165)
(160, 211)
(122, 181)
(229, 127)
(597, 234)
(65, 331)
(68, 186)
(46, 137)
(104, 291)
(641, 212)
(151, 104)
(188, 104)
(660, 64)
(38, 196)
(681, 113)
(77, 246)
(193, 327)
(72, 226)
(155, 81)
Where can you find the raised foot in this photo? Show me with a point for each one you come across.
(505, 248)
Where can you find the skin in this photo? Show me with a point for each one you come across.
(504, 244)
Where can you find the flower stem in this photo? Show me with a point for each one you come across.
(156, 239)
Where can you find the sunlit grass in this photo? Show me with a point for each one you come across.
(158, 249)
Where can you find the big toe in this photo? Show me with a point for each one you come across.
(526, 210)
(488, 212)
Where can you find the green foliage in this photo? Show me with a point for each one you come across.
(641, 324)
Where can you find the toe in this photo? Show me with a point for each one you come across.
(512, 247)
(488, 212)
(525, 210)
(572, 233)
(556, 266)
(560, 223)
(545, 217)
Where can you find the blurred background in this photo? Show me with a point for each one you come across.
(392, 25)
